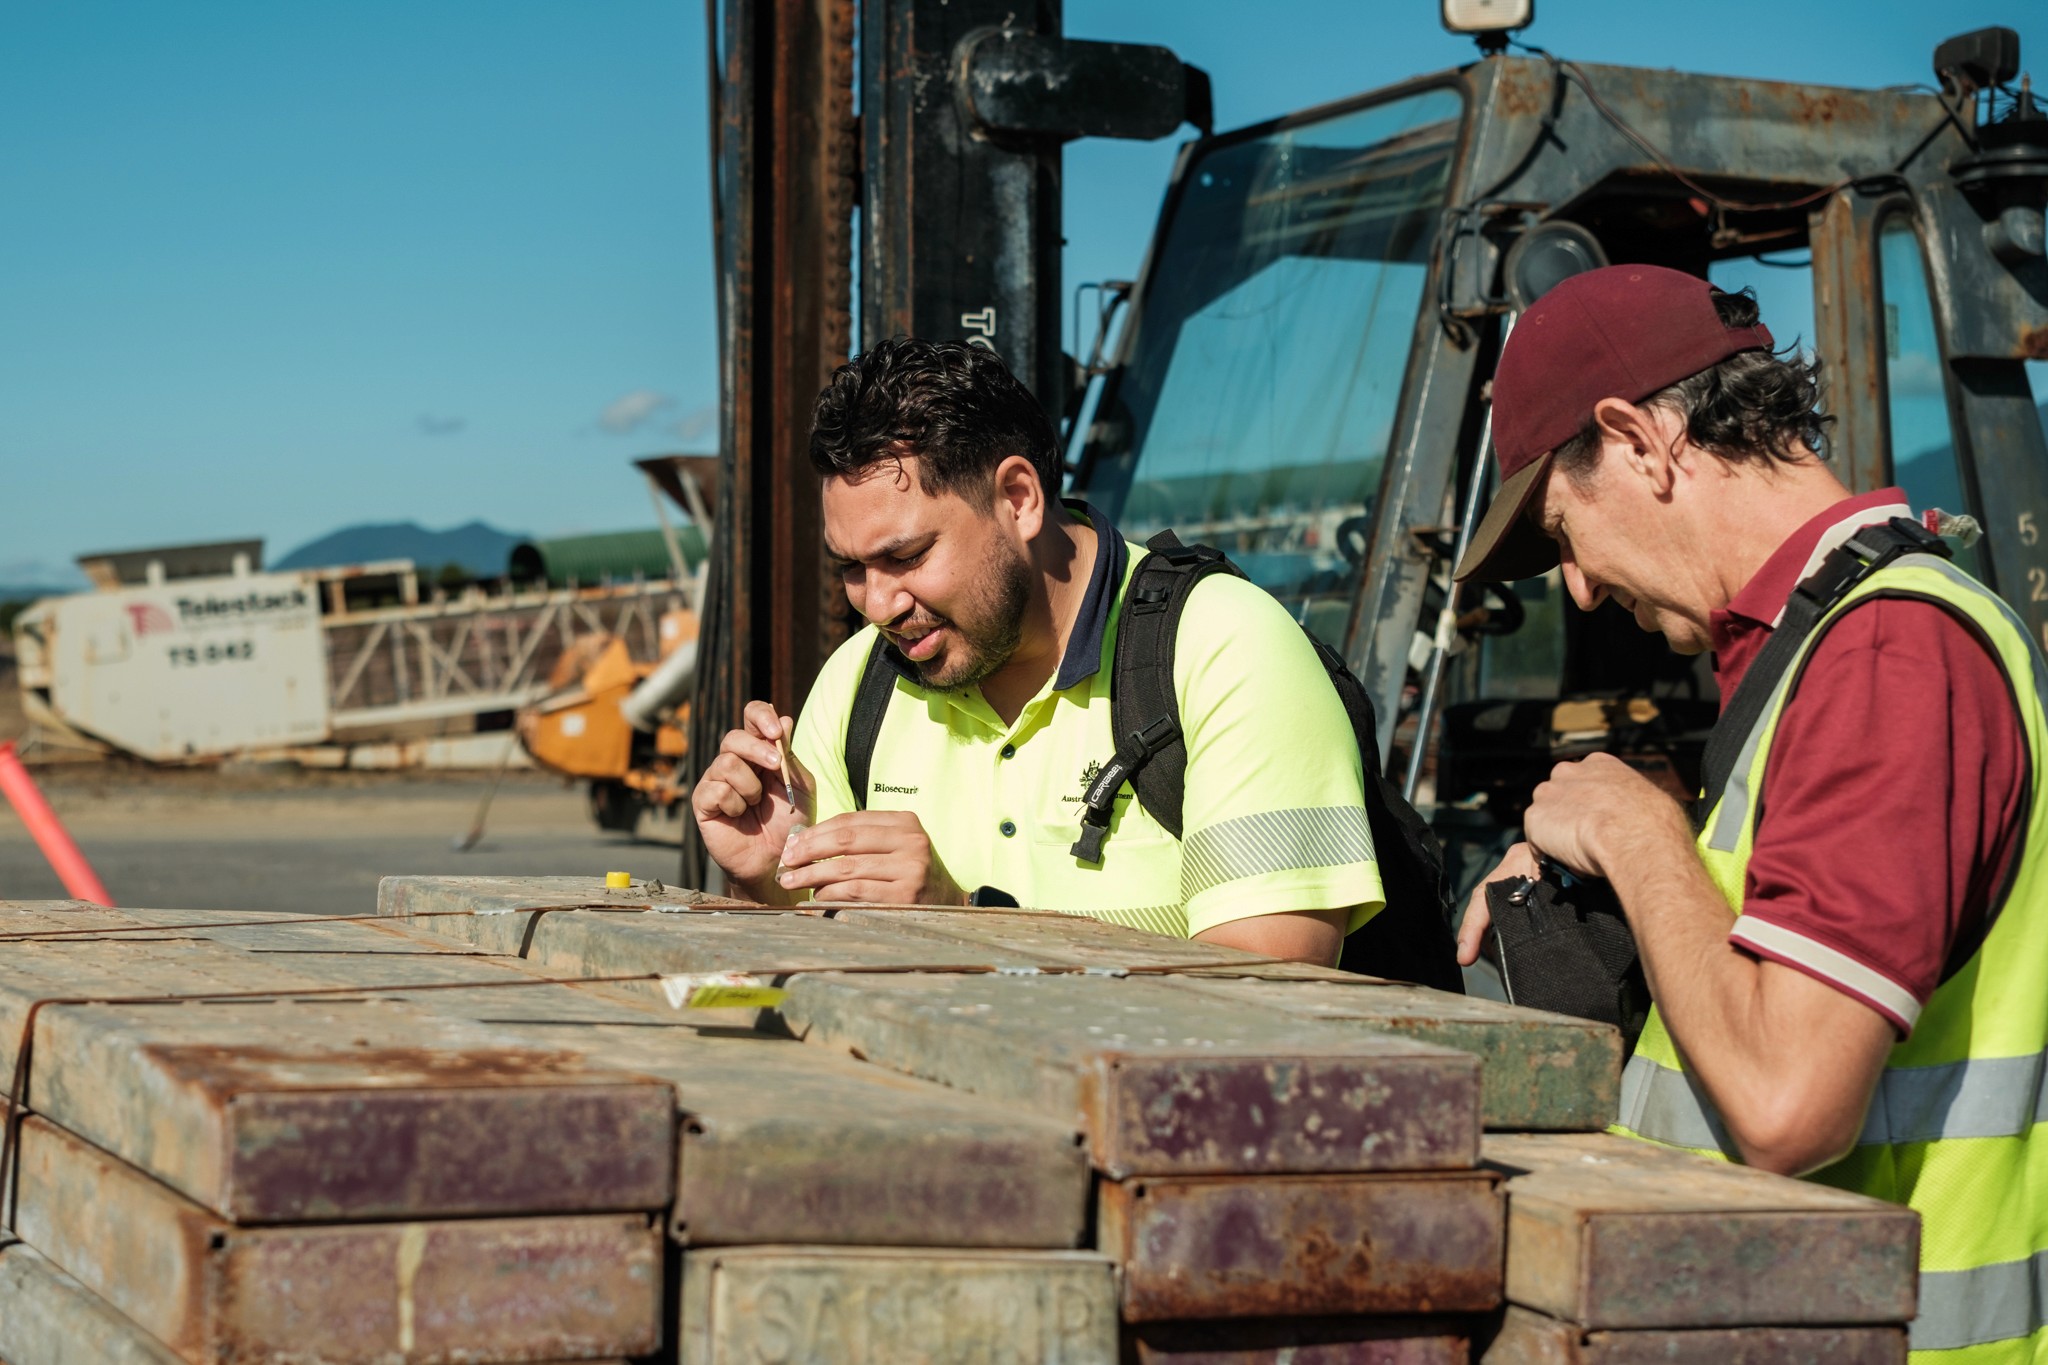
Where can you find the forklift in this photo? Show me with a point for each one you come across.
(1300, 370)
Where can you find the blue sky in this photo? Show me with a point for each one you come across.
(273, 269)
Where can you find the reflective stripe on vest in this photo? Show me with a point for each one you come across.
(1979, 1098)
(1990, 1303)
(1951, 1128)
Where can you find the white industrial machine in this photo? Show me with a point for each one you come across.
(183, 669)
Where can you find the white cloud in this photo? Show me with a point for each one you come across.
(630, 411)
(697, 423)
(431, 424)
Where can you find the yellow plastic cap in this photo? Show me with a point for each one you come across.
(617, 881)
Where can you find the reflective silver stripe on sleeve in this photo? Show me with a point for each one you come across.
(1985, 1097)
(1666, 1106)
(1988, 1303)
(1274, 841)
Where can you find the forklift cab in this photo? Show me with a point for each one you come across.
(1301, 377)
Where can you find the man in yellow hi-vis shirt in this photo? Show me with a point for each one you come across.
(996, 607)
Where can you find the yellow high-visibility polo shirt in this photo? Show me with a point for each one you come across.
(1274, 807)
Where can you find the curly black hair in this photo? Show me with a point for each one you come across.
(1755, 405)
(954, 406)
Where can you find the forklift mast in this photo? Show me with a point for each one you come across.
(949, 175)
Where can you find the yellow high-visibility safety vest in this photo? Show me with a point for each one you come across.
(1954, 1127)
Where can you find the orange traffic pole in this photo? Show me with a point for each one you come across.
(47, 830)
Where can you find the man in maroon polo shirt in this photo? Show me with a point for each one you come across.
(1654, 450)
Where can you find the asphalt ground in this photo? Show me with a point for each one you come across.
(311, 843)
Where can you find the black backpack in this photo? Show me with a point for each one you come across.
(1409, 940)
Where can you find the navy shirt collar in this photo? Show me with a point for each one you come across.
(1083, 659)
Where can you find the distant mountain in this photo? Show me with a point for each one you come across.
(28, 592)
(481, 550)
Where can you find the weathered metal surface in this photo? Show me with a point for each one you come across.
(500, 1289)
(1542, 1071)
(630, 940)
(1299, 1341)
(49, 1318)
(271, 1111)
(1730, 1246)
(1527, 1338)
(783, 1143)
(1164, 1082)
(1260, 1246)
(783, 168)
(1023, 84)
(871, 1307)
(960, 232)
(777, 1142)
(1850, 335)
(1077, 940)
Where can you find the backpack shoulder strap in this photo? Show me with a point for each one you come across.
(864, 720)
(1856, 559)
(1143, 708)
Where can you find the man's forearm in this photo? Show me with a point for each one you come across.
(1730, 1029)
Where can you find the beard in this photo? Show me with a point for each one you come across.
(988, 624)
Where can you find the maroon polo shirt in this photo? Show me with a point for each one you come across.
(1892, 798)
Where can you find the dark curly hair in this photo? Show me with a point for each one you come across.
(956, 407)
(1755, 405)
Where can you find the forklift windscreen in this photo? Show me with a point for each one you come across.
(1265, 360)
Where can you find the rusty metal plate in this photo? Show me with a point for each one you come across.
(316, 1111)
(486, 1289)
(502, 1289)
(785, 1143)
(1528, 1338)
(1300, 1341)
(1543, 1071)
(779, 1142)
(49, 1318)
(877, 1307)
(1077, 939)
(1163, 1081)
(1731, 1246)
(1279, 1246)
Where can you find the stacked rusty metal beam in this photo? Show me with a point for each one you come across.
(962, 1217)
(236, 1161)
(1267, 1183)
(476, 1130)
(1620, 1252)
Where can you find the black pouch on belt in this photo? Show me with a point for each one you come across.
(1568, 949)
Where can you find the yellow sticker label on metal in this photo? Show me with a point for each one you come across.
(720, 990)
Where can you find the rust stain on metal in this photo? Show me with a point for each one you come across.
(1524, 93)
(1205, 1114)
(2033, 344)
(1299, 1246)
(351, 1154)
(1301, 1341)
(489, 1290)
(227, 1070)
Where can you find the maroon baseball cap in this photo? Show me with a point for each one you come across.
(1623, 331)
